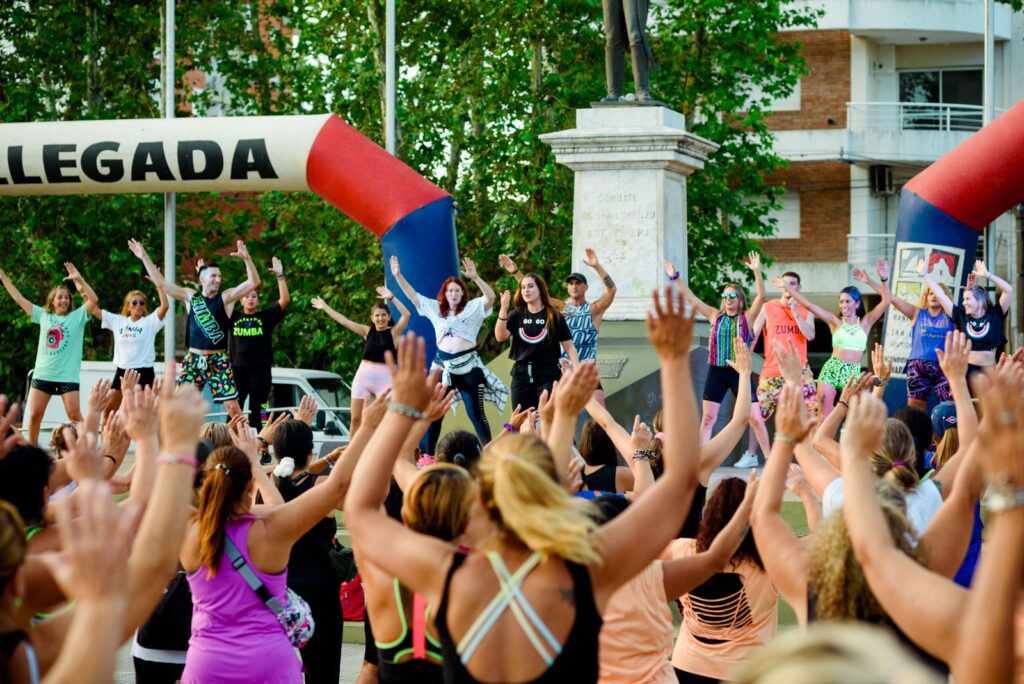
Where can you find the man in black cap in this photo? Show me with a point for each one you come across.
(584, 319)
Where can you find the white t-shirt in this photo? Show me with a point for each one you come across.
(922, 503)
(466, 324)
(134, 341)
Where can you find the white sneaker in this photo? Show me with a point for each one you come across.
(747, 460)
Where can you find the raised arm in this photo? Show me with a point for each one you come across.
(925, 606)
(182, 294)
(635, 538)
(882, 288)
(1005, 289)
(469, 270)
(944, 300)
(718, 448)
(396, 271)
(784, 559)
(501, 332)
(703, 308)
(953, 360)
(25, 305)
(506, 263)
(252, 276)
(92, 305)
(598, 308)
(753, 262)
(284, 298)
(165, 305)
(824, 441)
(403, 311)
(569, 397)
(357, 328)
(830, 318)
(685, 574)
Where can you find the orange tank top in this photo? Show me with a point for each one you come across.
(780, 325)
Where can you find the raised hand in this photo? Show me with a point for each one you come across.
(529, 426)
(240, 251)
(742, 365)
(857, 384)
(242, 438)
(979, 269)
(919, 268)
(140, 408)
(953, 358)
(670, 325)
(469, 268)
(129, 380)
(440, 404)
(753, 262)
(881, 367)
(267, 433)
(382, 292)
(411, 386)
(789, 362)
(546, 405)
(83, 459)
(1001, 431)
(590, 258)
(781, 284)
(791, 419)
(182, 410)
(506, 263)
(396, 269)
(136, 248)
(276, 267)
(73, 274)
(574, 476)
(115, 438)
(519, 416)
(882, 268)
(859, 274)
(670, 268)
(99, 395)
(318, 303)
(576, 388)
(8, 418)
(641, 436)
(307, 409)
(864, 427)
(200, 262)
(506, 298)
(796, 482)
(972, 279)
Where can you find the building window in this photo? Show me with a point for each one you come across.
(789, 103)
(950, 99)
(787, 218)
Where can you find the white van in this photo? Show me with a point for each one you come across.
(290, 385)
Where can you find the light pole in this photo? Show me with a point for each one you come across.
(389, 76)
(170, 238)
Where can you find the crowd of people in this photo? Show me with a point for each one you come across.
(539, 552)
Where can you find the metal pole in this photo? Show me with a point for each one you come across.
(389, 76)
(988, 100)
(170, 238)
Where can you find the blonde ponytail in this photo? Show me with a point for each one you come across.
(895, 459)
(521, 492)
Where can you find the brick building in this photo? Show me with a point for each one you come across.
(893, 86)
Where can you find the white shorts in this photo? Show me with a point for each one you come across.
(371, 380)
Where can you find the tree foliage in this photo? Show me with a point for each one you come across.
(479, 83)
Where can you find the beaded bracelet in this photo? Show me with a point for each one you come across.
(510, 427)
(178, 459)
(407, 411)
(644, 455)
(674, 276)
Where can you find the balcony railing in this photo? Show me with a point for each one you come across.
(912, 116)
(864, 249)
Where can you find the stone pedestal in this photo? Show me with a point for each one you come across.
(629, 205)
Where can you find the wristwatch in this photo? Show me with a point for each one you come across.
(1002, 495)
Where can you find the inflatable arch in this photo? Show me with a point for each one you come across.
(944, 209)
(412, 217)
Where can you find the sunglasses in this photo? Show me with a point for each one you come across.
(730, 295)
(136, 302)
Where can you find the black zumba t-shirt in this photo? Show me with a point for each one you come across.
(531, 340)
(250, 335)
(986, 333)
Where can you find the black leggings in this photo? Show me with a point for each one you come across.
(149, 672)
(471, 387)
(253, 382)
(321, 656)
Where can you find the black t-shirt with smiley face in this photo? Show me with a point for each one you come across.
(987, 333)
(531, 340)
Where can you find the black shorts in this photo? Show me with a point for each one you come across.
(55, 388)
(146, 378)
(722, 379)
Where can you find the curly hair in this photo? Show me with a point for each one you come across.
(835, 577)
(722, 505)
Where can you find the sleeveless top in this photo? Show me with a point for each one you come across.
(780, 325)
(601, 480)
(722, 339)
(378, 342)
(577, 660)
(208, 323)
(309, 563)
(929, 334)
(581, 326)
(850, 336)
(9, 642)
(428, 669)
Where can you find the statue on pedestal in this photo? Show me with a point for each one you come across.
(624, 29)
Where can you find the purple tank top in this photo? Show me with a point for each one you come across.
(235, 637)
(929, 334)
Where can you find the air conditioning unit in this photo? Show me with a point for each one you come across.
(881, 181)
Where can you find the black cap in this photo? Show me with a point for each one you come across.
(577, 276)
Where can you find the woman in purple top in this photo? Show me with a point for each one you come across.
(235, 636)
(930, 325)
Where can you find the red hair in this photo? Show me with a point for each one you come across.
(442, 300)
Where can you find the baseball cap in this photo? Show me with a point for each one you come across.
(943, 417)
(577, 276)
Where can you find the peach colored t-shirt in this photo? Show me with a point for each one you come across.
(636, 634)
(739, 622)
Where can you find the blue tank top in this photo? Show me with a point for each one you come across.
(581, 326)
(929, 334)
(208, 323)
